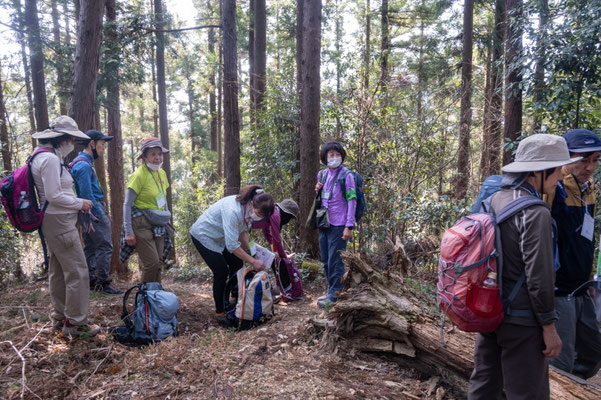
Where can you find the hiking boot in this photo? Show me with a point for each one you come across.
(108, 289)
(325, 302)
(70, 330)
(322, 298)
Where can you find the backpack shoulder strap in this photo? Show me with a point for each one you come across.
(516, 206)
(322, 176)
(124, 312)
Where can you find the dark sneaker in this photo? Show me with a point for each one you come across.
(108, 289)
(325, 303)
(322, 298)
(80, 330)
(222, 319)
(57, 324)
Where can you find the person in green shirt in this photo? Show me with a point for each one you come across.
(145, 211)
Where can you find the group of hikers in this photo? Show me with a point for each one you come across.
(221, 234)
(552, 246)
(548, 256)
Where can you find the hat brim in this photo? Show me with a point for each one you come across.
(153, 147)
(535, 166)
(286, 210)
(52, 133)
(585, 150)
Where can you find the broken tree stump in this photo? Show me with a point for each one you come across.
(381, 312)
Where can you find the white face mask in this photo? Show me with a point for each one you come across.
(65, 148)
(334, 162)
(154, 167)
(254, 216)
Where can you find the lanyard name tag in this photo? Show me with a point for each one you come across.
(326, 195)
(160, 199)
(588, 227)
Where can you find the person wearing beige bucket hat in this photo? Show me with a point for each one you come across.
(514, 357)
(68, 270)
(146, 216)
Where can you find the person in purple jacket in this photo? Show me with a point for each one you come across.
(283, 213)
(341, 211)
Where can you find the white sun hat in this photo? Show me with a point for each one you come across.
(540, 152)
(63, 125)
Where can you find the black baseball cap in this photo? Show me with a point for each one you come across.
(582, 141)
(97, 135)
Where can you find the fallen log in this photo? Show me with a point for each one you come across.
(381, 312)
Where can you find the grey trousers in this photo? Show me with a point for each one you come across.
(68, 272)
(579, 332)
(510, 359)
(98, 248)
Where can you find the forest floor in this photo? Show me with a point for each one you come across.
(280, 359)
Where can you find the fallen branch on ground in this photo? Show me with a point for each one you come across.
(381, 313)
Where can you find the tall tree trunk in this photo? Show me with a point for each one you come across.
(385, 47)
(260, 52)
(26, 73)
(115, 146)
(251, 61)
(310, 111)
(465, 118)
(36, 56)
(300, 4)
(485, 142)
(230, 99)
(513, 75)
(153, 70)
(4, 142)
(99, 162)
(338, 46)
(85, 73)
(162, 91)
(212, 83)
(62, 91)
(541, 59)
(220, 172)
(367, 50)
(496, 80)
(191, 101)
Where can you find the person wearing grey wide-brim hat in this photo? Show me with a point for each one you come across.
(68, 270)
(514, 357)
(284, 212)
(573, 208)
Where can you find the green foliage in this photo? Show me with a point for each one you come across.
(11, 251)
(573, 61)
(202, 188)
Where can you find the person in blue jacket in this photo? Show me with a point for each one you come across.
(98, 245)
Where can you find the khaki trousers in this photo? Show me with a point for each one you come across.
(149, 248)
(68, 270)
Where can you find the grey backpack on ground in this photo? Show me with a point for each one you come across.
(153, 318)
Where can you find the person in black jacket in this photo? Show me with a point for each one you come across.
(573, 209)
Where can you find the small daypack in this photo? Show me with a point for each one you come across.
(288, 279)
(255, 300)
(361, 203)
(154, 317)
(19, 197)
(490, 186)
(469, 251)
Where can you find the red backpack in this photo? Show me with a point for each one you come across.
(18, 195)
(469, 251)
